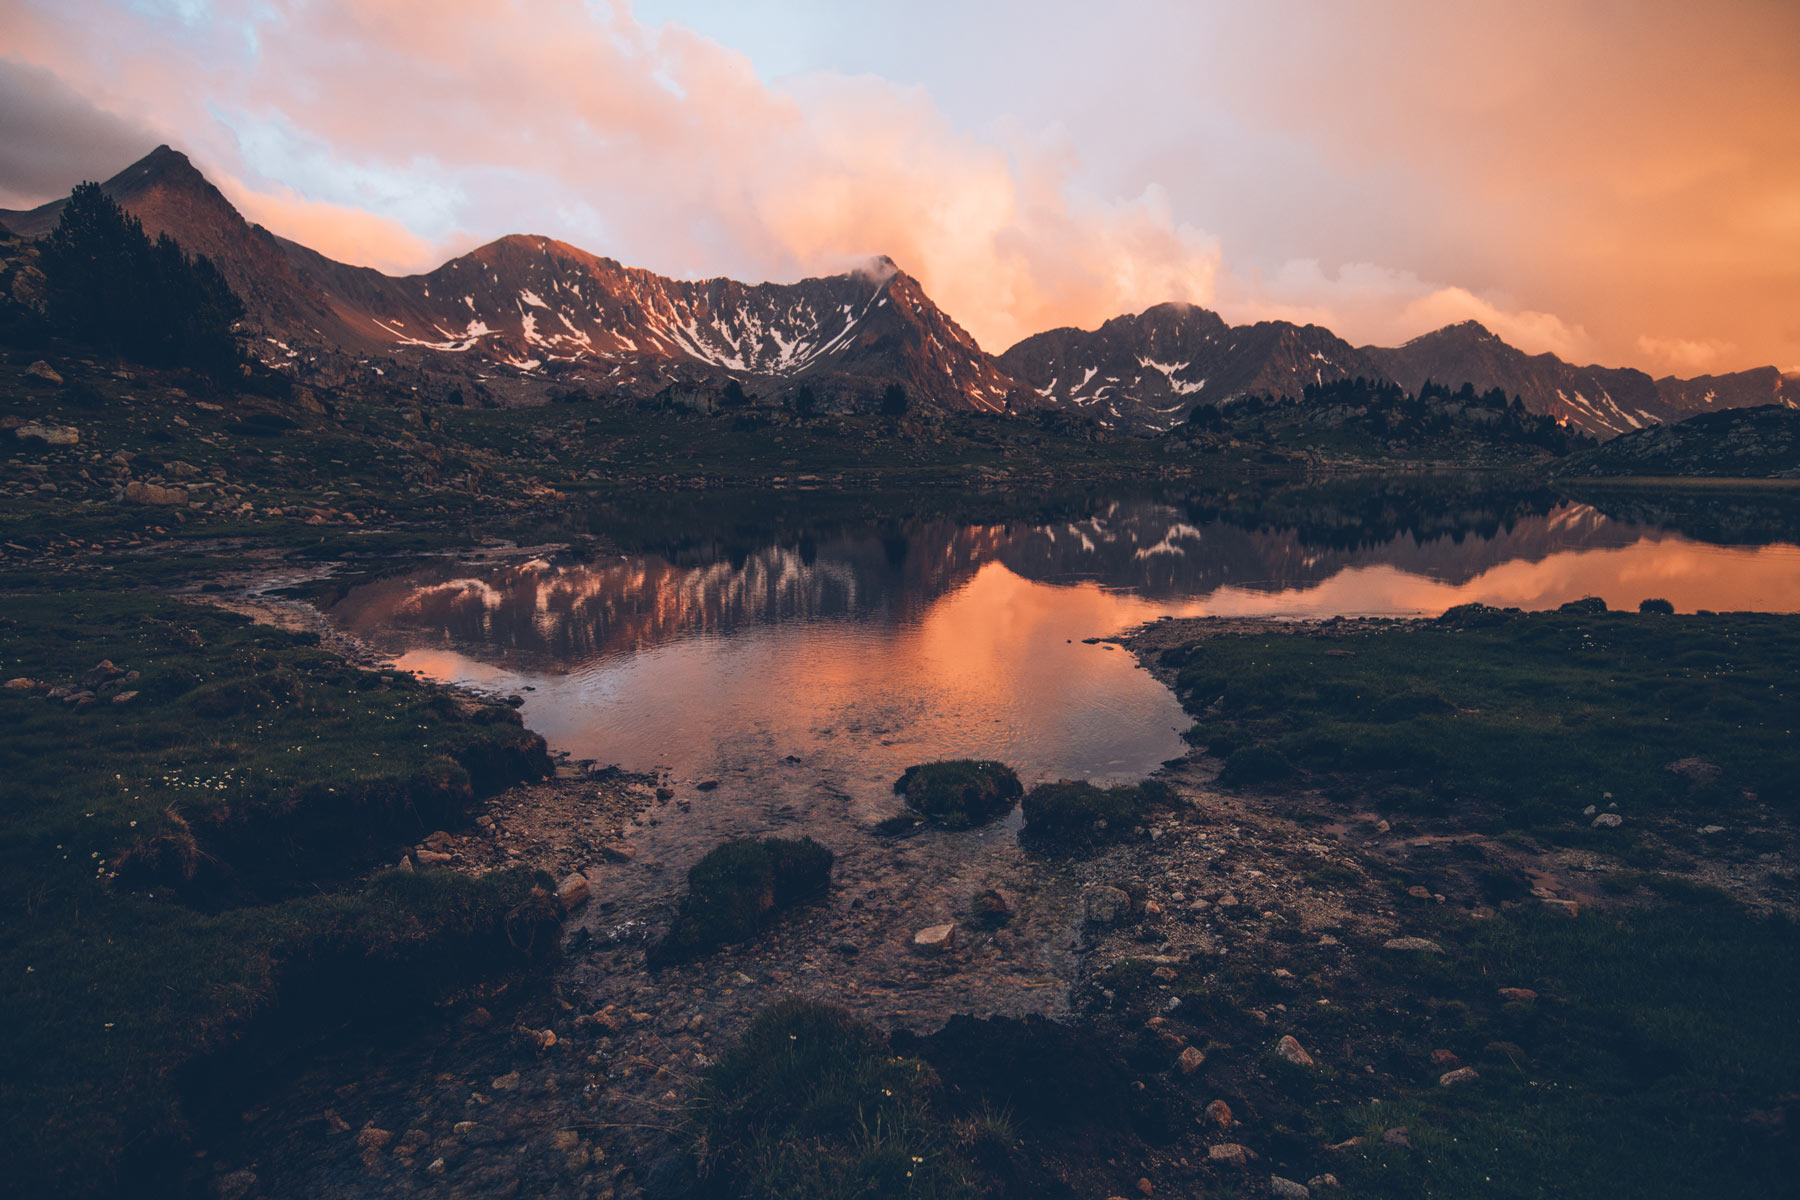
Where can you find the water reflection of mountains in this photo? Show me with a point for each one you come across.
(563, 614)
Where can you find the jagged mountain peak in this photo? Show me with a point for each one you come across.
(526, 312)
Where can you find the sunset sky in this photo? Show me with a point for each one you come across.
(1616, 182)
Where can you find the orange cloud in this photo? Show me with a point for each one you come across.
(338, 231)
(1569, 176)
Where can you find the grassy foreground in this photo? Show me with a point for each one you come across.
(178, 856)
(1517, 721)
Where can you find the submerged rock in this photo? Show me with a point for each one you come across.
(1103, 905)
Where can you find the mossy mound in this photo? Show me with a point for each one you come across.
(1074, 814)
(1252, 765)
(813, 1103)
(960, 793)
(736, 891)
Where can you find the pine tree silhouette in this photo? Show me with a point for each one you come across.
(108, 284)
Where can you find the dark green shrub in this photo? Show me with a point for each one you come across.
(1654, 605)
(1253, 765)
(1587, 606)
(736, 890)
(960, 793)
(813, 1104)
(1080, 813)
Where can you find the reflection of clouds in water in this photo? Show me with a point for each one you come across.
(995, 669)
(1690, 575)
(868, 654)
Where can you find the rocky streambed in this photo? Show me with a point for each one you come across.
(1261, 962)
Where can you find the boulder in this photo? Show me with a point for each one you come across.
(1460, 1075)
(1327, 1180)
(572, 892)
(100, 673)
(934, 939)
(618, 852)
(1229, 1153)
(50, 435)
(1219, 1113)
(1190, 1060)
(139, 492)
(44, 371)
(1517, 995)
(1695, 770)
(1289, 1050)
(1102, 905)
(991, 909)
(1287, 1189)
(1608, 820)
(1417, 945)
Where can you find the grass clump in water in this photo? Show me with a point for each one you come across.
(812, 1104)
(960, 793)
(736, 891)
(1075, 814)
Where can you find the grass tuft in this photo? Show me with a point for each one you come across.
(960, 793)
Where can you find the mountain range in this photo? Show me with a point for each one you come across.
(524, 316)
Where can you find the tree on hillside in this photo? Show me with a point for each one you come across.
(107, 283)
(893, 401)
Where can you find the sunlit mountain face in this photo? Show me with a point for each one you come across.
(526, 317)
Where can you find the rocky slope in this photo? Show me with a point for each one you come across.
(537, 310)
(1738, 443)
(1147, 371)
(1602, 401)
(525, 317)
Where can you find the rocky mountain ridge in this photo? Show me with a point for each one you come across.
(524, 317)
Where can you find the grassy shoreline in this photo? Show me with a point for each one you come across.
(186, 845)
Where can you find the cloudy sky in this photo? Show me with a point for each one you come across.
(1614, 180)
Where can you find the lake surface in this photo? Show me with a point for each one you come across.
(850, 655)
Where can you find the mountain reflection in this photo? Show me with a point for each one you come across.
(570, 613)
